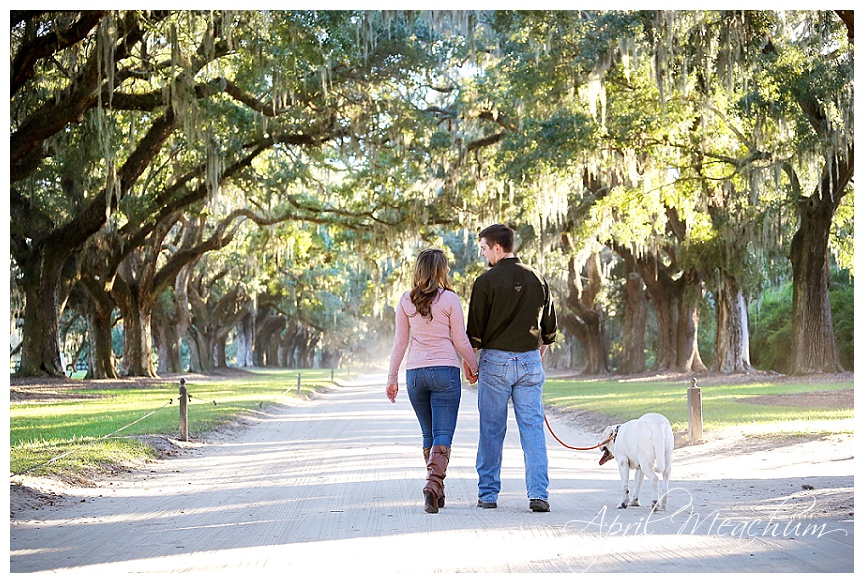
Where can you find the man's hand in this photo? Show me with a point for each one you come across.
(472, 378)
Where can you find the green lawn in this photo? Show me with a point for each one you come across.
(67, 437)
(722, 406)
(42, 431)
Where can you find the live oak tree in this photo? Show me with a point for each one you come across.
(121, 119)
(574, 145)
(680, 141)
(686, 124)
(815, 83)
(766, 99)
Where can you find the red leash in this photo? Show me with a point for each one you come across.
(570, 446)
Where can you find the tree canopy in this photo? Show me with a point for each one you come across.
(258, 182)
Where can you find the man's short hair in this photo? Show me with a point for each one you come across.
(500, 234)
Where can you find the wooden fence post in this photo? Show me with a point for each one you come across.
(694, 413)
(184, 416)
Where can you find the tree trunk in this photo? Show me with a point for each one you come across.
(200, 353)
(662, 292)
(306, 349)
(167, 340)
(98, 308)
(219, 358)
(48, 277)
(136, 306)
(291, 345)
(814, 347)
(272, 350)
(137, 344)
(585, 317)
(635, 320)
(266, 348)
(40, 345)
(220, 339)
(245, 341)
(676, 307)
(590, 337)
(170, 324)
(688, 358)
(331, 357)
(101, 361)
(286, 352)
(732, 345)
(138, 285)
(197, 337)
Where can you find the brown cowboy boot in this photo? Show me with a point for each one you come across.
(426, 451)
(433, 491)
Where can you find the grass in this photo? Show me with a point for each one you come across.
(73, 429)
(721, 404)
(70, 433)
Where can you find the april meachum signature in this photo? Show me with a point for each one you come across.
(785, 521)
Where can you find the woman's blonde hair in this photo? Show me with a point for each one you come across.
(430, 274)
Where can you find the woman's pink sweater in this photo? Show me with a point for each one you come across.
(436, 342)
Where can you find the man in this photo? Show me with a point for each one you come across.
(511, 319)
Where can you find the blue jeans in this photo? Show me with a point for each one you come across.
(517, 375)
(435, 392)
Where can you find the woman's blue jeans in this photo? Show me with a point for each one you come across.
(435, 392)
(519, 376)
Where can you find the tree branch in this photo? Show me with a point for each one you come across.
(41, 47)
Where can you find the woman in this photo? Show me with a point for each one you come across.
(429, 318)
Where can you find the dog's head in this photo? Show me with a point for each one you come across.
(609, 435)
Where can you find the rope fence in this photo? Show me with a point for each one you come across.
(694, 417)
(97, 440)
(184, 397)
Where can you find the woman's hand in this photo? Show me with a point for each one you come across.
(472, 378)
(392, 389)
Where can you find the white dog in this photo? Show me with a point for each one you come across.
(643, 444)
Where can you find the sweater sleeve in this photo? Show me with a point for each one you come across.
(458, 335)
(400, 342)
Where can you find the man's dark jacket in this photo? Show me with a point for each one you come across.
(511, 309)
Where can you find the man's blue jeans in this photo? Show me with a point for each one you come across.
(435, 392)
(519, 376)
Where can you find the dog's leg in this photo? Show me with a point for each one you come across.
(664, 443)
(664, 484)
(655, 488)
(624, 470)
(646, 470)
(638, 478)
(664, 493)
(664, 468)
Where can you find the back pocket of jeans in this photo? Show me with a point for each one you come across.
(411, 378)
(493, 368)
(533, 372)
(442, 378)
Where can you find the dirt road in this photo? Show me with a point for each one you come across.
(332, 486)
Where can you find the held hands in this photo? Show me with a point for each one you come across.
(392, 389)
(472, 378)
